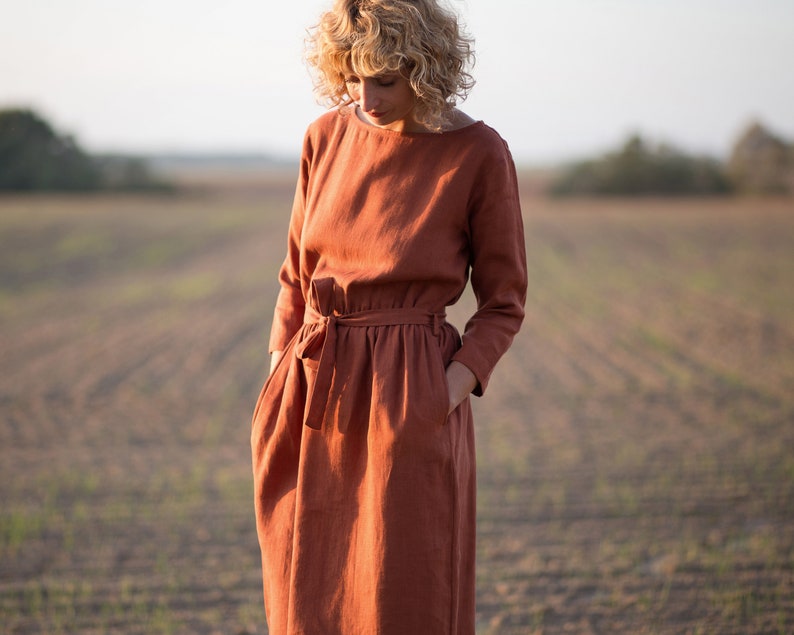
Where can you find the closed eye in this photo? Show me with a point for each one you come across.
(384, 82)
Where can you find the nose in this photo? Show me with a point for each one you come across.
(368, 96)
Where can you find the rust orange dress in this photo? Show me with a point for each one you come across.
(364, 487)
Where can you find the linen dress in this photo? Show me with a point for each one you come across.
(364, 487)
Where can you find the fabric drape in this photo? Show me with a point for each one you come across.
(364, 486)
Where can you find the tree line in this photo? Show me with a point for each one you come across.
(760, 163)
(34, 158)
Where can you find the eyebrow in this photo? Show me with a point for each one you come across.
(390, 75)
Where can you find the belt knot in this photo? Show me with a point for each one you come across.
(321, 336)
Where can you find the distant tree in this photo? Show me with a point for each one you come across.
(34, 157)
(129, 174)
(641, 169)
(761, 162)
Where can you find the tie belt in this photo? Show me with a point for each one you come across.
(324, 338)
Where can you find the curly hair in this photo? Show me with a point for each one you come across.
(419, 39)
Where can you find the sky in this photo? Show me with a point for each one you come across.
(559, 79)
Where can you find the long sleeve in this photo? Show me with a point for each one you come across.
(498, 268)
(288, 313)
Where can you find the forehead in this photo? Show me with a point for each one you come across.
(387, 74)
(366, 63)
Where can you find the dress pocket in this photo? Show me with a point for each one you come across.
(440, 386)
(272, 391)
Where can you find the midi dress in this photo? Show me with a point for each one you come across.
(364, 485)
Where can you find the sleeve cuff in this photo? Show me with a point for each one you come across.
(479, 367)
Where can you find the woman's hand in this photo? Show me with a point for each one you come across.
(460, 381)
(274, 357)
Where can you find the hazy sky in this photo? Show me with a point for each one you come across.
(557, 78)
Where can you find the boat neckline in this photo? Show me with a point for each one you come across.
(353, 113)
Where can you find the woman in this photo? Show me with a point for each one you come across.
(362, 439)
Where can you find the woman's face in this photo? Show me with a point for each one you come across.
(386, 101)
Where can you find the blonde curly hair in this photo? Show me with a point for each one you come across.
(419, 39)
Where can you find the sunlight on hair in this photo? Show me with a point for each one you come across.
(417, 38)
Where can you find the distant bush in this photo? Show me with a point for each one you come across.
(34, 157)
(761, 162)
(642, 169)
(129, 173)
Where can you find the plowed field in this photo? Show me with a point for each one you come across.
(636, 446)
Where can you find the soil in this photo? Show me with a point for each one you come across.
(635, 448)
